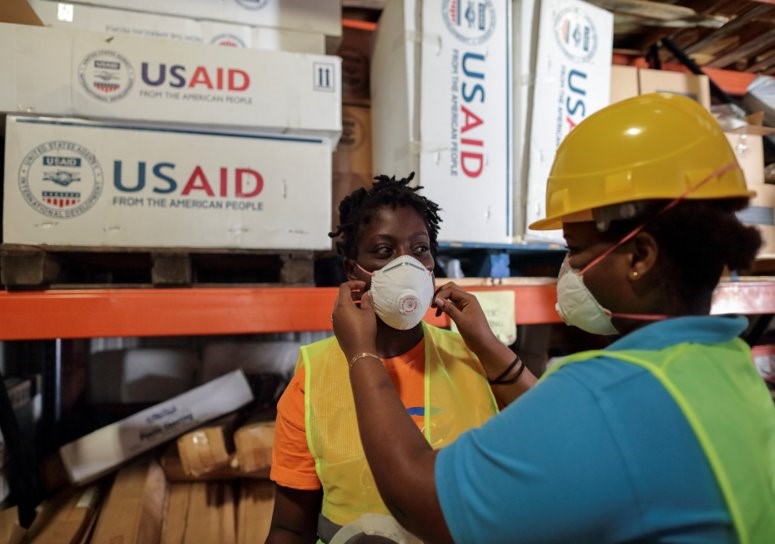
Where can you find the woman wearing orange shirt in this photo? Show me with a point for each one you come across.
(325, 490)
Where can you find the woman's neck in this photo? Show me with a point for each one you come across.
(392, 342)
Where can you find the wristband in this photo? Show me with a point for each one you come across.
(363, 355)
(500, 380)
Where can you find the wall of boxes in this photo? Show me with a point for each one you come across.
(475, 103)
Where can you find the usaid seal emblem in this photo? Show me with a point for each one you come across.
(471, 22)
(252, 4)
(575, 34)
(60, 179)
(106, 75)
(227, 40)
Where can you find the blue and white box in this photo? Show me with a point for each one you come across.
(441, 98)
(71, 182)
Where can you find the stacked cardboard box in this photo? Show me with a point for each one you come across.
(262, 33)
(441, 92)
(573, 72)
(174, 144)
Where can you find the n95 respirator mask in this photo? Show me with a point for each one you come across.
(401, 291)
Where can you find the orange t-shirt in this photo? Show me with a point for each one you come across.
(292, 463)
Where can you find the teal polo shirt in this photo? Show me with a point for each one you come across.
(597, 453)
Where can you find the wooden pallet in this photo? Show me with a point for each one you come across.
(35, 267)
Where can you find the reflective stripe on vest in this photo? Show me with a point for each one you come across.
(457, 398)
(730, 411)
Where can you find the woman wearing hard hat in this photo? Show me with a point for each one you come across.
(667, 435)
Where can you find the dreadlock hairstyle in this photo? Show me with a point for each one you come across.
(358, 208)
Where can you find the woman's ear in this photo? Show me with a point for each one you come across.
(643, 259)
(350, 268)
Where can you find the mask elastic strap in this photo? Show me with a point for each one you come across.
(366, 271)
(637, 230)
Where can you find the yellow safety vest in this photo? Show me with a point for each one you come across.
(457, 398)
(730, 411)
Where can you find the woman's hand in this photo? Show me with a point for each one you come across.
(355, 324)
(464, 309)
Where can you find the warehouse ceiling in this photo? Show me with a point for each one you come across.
(730, 34)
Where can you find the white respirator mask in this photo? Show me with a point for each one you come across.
(577, 305)
(401, 291)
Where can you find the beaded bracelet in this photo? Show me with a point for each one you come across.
(362, 356)
(500, 379)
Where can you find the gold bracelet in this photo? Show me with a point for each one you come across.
(362, 356)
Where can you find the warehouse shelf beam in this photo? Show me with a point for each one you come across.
(234, 310)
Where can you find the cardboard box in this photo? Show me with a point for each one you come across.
(624, 82)
(573, 80)
(173, 469)
(203, 450)
(18, 12)
(75, 183)
(98, 453)
(141, 375)
(441, 106)
(628, 81)
(141, 80)
(355, 50)
(661, 81)
(254, 513)
(151, 25)
(133, 510)
(253, 443)
(319, 16)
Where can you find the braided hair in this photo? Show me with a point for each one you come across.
(358, 208)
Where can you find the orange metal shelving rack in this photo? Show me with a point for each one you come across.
(235, 310)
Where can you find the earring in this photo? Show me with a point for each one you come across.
(634, 274)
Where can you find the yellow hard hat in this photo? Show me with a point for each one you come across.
(653, 146)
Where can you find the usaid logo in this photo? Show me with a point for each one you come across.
(575, 34)
(471, 22)
(60, 179)
(106, 75)
(252, 4)
(227, 40)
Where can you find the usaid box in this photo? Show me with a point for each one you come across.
(151, 25)
(50, 71)
(72, 182)
(573, 80)
(319, 16)
(441, 106)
